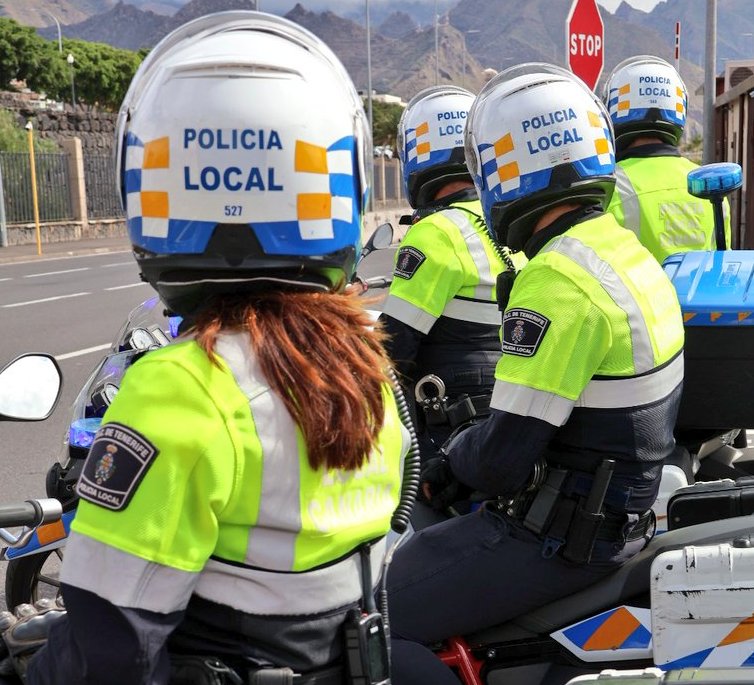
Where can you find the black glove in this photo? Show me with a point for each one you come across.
(439, 485)
(25, 632)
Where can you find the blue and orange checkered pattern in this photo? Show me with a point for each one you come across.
(332, 171)
(418, 147)
(612, 630)
(714, 656)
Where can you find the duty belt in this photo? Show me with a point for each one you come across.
(568, 525)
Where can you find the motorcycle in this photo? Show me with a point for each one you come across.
(32, 572)
(686, 600)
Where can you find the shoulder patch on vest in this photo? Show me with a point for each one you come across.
(118, 459)
(408, 262)
(523, 331)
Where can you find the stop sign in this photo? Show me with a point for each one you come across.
(585, 41)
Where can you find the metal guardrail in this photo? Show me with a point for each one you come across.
(102, 201)
(52, 187)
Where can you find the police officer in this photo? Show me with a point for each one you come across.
(647, 101)
(587, 388)
(441, 314)
(238, 471)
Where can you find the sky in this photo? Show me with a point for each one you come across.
(346, 5)
(645, 5)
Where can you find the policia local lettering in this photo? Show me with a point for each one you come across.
(231, 178)
(555, 138)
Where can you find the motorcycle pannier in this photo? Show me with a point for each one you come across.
(716, 292)
(712, 501)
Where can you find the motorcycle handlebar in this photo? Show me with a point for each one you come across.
(377, 282)
(31, 513)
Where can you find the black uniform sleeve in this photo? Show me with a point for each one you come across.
(498, 455)
(402, 345)
(103, 643)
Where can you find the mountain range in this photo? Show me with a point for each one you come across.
(471, 36)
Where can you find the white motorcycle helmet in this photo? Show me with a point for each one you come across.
(243, 161)
(430, 141)
(646, 96)
(536, 136)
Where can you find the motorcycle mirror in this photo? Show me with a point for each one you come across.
(30, 388)
(381, 238)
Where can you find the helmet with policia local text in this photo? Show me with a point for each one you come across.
(430, 141)
(537, 137)
(244, 161)
(646, 97)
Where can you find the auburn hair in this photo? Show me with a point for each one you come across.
(322, 354)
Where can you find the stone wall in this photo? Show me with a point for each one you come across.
(60, 121)
(65, 231)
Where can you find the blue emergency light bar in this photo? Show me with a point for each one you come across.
(713, 180)
(82, 431)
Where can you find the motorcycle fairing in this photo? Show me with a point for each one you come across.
(45, 538)
(620, 634)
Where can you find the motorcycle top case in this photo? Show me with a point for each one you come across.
(702, 601)
(655, 676)
(711, 501)
(716, 292)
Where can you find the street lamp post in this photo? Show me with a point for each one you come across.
(70, 61)
(748, 35)
(465, 52)
(60, 33)
(369, 86)
(437, 46)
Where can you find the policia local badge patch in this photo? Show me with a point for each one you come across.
(408, 261)
(117, 461)
(523, 331)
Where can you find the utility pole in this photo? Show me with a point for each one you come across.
(437, 46)
(369, 94)
(710, 71)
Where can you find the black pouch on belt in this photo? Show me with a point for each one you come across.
(588, 518)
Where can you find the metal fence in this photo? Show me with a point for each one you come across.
(102, 200)
(388, 184)
(52, 187)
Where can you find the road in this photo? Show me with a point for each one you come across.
(71, 307)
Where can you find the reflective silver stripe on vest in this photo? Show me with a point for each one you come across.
(589, 260)
(613, 393)
(525, 401)
(272, 541)
(124, 579)
(283, 594)
(408, 313)
(637, 391)
(629, 200)
(475, 244)
(474, 312)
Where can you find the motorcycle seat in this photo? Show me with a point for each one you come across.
(628, 582)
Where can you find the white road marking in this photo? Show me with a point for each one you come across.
(79, 353)
(5, 279)
(55, 273)
(121, 287)
(106, 266)
(46, 299)
(45, 258)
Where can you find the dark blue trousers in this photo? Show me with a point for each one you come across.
(475, 571)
